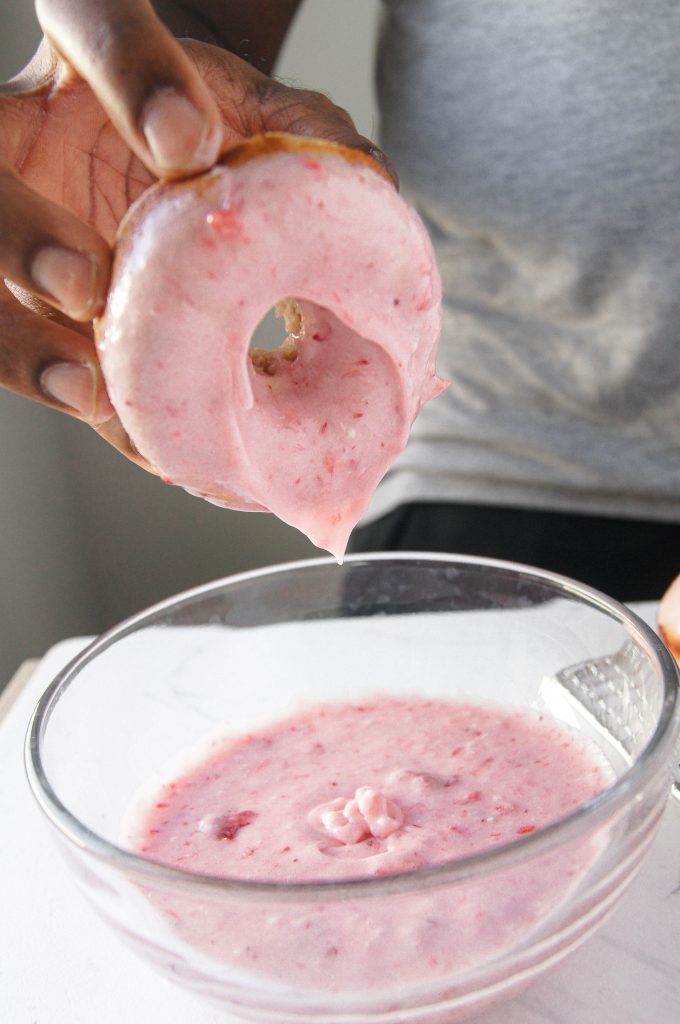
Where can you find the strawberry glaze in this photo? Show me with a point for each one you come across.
(308, 433)
(424, 782)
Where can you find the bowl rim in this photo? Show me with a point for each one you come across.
(585, 817)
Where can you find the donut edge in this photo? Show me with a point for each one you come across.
(260, 145)
(264, 144)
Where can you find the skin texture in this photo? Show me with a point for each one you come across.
(74, 155)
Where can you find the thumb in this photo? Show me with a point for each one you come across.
(147, 84)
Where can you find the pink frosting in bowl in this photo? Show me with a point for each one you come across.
(404, 851)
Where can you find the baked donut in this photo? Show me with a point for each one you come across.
(668, 618)
(307, 430)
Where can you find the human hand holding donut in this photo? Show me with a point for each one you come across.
(110, 102)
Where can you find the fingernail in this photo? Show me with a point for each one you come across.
(75, 385)
(69, 277)
(177, 134)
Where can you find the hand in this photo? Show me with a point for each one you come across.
(110, 102)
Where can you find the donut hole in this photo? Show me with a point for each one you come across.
(267, 349)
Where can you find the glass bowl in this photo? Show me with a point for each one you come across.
(253, 649)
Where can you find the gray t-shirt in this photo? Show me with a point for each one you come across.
(540, 142)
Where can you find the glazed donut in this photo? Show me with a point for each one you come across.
(307, 430)
(668, 619)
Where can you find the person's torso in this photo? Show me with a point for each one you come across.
(541, 144)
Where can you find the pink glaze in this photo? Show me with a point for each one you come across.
(198, 268)
(426, 781)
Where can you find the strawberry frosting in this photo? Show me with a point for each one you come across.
(346, 791)
(306, 431)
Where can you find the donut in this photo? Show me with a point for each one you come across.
(668, 618)
(308, 429)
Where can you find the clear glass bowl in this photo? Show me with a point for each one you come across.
(254, 648)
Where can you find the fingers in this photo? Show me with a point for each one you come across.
(112, 431)
(250, 102)
(142, 77)
(47, 252)
(304, 112)
(44, 360)
(51, 253)
(161, 105)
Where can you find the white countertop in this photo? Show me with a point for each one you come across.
(59, 964)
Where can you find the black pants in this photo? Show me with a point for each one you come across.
(629, 559)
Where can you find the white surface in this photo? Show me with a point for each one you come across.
(60, 965)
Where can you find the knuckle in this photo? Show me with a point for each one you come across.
(343, 115)
(285, 98)
(267, 91)
(304, 112)
(324, 105)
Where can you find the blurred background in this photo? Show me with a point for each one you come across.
(86, 538)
